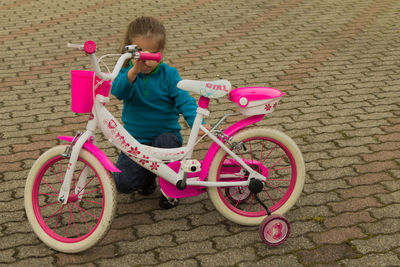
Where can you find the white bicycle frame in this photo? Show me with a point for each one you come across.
(152, 158)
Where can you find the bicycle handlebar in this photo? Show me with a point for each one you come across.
(90, 48)
(150, 56)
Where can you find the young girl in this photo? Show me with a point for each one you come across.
(152, 105)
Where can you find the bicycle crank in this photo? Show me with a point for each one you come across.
(255, 187)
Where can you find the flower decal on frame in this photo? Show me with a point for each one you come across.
(133, 152)
(144, 160)
(154, 166)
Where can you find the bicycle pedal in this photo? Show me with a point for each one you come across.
(190, 165)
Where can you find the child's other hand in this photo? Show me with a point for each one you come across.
(207, 126)
(138, 66)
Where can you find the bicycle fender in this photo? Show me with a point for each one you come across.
(229, 132)
(97, 152)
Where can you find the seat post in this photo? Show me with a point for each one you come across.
(204, 102)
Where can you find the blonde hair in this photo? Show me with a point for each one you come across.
(144, 27)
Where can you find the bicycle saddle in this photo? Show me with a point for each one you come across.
(213, 89)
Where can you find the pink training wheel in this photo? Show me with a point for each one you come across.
(274, 230)
(89, 47)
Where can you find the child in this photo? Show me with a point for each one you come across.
(152, 104)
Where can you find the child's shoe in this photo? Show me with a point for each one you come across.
(167, 203)
(148, 187)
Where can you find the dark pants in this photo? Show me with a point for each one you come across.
(133, 176)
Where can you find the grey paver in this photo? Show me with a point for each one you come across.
(337, 62)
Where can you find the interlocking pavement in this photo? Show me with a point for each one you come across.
(338, 63)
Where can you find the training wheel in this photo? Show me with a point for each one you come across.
(274, 230)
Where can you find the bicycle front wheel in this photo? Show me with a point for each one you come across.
(86, 217)
(269, 152)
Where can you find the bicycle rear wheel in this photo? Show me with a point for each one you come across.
(269, 152)
(86, 217)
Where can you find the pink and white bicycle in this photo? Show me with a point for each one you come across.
(253, 175)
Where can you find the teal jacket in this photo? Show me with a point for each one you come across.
(153, 103)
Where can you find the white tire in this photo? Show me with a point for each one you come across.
(281, 199)
(46, 177)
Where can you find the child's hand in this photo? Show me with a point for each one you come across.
(139, 66)
(207, 126)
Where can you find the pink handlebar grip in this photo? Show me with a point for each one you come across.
(89, 47)
(150, 56)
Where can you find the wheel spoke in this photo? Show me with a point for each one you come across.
(72, 218)
(251, 154)
(77, 178)
(58, 218)
(90, 192)
(69, 223)
(55, 213)
(270, 198)
(284, 168)
(83, 216)
(49, 186)
(274, 187)
(49, 204)
(56, 175)
(86, 200)
(284, 156)
(86, 185)
(80, 208)
(269, 154)
(61, 171)
(48, 194)
(251, 202)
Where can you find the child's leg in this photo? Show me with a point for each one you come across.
(165, 140)
(131, 176)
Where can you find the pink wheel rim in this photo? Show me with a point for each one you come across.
(37, 208)
(276, 205)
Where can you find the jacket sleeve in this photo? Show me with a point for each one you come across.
(121, 87)
(184, 103)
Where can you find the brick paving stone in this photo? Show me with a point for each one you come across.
(390, 198)
(145, 244)
(187, 250)
(228, 257)
(337, 62)
(354, 204)
(287, 260)
(161, 227)
(376, 166)
(327, 254)
(374, 259)
(138, 259)
(201, 233)
(183, 263)
(377, 244)
(28, 251)
(7, 256)
(337, 235)
(348, 219)
(361, 191)
(389, 211)
(90, 256)
(367, 179)
(116, 235)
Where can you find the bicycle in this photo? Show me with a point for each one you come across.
(253, 175)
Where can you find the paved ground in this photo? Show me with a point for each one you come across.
(338, 62)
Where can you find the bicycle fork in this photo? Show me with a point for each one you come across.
(76, 146)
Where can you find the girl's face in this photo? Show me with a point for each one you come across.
(148, 45)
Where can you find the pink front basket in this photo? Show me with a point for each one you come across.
(82, 90)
